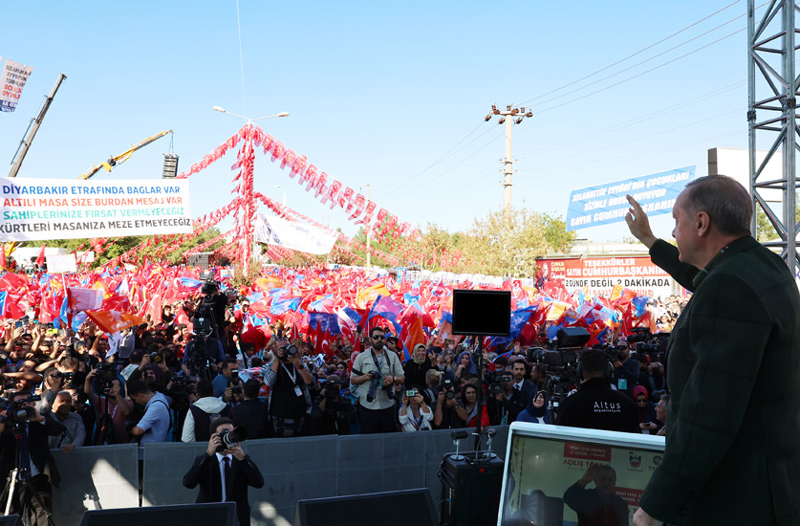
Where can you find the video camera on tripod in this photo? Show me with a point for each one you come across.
(17, 413)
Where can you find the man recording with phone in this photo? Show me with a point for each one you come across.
(374, 376)
(290, 389)
(224, 471)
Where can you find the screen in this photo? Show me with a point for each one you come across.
(482, 312)
(551, 481)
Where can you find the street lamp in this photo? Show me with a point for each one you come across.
(223, 110)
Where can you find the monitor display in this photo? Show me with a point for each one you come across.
(482, 312)
(562, 476)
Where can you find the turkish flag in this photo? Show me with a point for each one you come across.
(40, 259)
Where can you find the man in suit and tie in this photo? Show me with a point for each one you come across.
(527, 388)
(224, 473)
(733, 368)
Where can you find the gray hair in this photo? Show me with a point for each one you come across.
(725, 201)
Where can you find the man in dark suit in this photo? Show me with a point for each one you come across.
(733, 368)
(240, 472)
(527, 388)
(35, 461)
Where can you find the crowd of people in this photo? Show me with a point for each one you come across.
(160, 382)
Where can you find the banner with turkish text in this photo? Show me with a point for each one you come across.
(292, 235)
(37, 209)
(12, 80)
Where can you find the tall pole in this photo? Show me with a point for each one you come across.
(508, 170)
(771, 59)
(369, 228)
(26, 142)
(509, 116)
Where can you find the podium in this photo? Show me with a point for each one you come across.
(471, 487)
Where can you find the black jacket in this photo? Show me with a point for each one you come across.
(205, 472)
(596, 406)
(39, 449)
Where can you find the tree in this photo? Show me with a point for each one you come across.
(764, 229)
(508, 243)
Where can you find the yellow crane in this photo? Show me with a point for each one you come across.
(121, 158)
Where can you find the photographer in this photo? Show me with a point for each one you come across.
(203, 353)
(332, 413)
(110, 407)
(504, 402)
(290, 397)
(238, 469)
(211, 306)
(445, 416)
(374, 376)
(35, 460)
(155, 424)
(415, 415)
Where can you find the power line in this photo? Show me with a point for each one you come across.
(403, 182)
(644, 118)
(643, 73)
(633, 54)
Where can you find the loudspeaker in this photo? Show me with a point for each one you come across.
(470, 489)
(572, 337)
(389, 508)
(10, 520)
(170, 166)
(212, 514)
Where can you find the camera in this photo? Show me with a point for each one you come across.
(449, 390)
(105, 374)
(237, 390)
(156, 358)
(231, 438)
(411, 393)
(375, 383)
(496, 380)
(290, 351)
(209, 287)
(17, 414)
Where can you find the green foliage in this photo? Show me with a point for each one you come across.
(118, 246)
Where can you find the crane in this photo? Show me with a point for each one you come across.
(121, 158)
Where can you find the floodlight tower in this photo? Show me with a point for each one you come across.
(509, 116)
(770, 61)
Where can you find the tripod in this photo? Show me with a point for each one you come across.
(106, 431)
(21, 476)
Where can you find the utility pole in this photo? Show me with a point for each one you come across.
(369, 227)
(509, 116)
(28, 139)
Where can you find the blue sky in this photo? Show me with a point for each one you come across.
(382, 92)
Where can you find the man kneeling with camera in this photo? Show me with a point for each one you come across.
(224, 471)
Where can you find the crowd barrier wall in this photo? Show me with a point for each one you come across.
(104, 477)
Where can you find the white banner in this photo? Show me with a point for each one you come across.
(61, 264)
(294, 236)
(37, 209)
(13, 79)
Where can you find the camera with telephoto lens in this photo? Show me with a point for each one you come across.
(231, 438)
(375, 384)
(156, 358)
(105, 374)
(16, 414)
(449, 390)
(290, 351)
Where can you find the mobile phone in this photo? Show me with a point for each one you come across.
(411, 393)
(18, 324)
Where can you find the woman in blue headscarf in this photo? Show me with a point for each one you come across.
(465, 365)
(536, 412)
